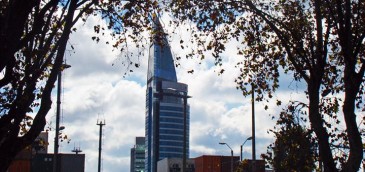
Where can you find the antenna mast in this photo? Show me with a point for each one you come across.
(101, 123)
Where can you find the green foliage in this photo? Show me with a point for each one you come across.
(243, 166)
(294, 148)
(39, 144)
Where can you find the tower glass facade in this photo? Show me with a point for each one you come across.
(138, 155)
(165, 105)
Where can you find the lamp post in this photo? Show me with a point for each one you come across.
(223, 143)
(249, 138)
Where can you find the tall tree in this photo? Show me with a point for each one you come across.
(33, 39)
(293, 149)
(320, 43)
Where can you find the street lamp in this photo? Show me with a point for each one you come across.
(223, 143)
(249, 138)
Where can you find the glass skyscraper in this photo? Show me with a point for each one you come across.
(165, 105)
(138, 155)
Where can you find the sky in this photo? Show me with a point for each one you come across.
(95, 88)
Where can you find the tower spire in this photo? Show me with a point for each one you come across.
(160, 62)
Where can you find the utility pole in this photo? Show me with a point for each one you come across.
(253, 129)
(185, 97)
(101, 124)
(58, 114)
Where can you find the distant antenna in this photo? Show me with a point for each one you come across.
(77, 150)
(101, 123)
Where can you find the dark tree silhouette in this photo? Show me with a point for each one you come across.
(33, 40)
(294, 148)
(320, 43)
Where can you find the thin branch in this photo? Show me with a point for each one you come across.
(282, 37)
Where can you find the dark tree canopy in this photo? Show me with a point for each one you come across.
(33, 39)
(319, 43)
(294, 148)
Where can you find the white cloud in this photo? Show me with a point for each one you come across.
(94, 88)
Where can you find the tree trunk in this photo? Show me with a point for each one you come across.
(356, 149)
(8, 150)
(352, 82)
(352, 86)
(316, 121)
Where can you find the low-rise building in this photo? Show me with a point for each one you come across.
(67, 162)
(215, 163)
(175, 165)
(35, 158)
